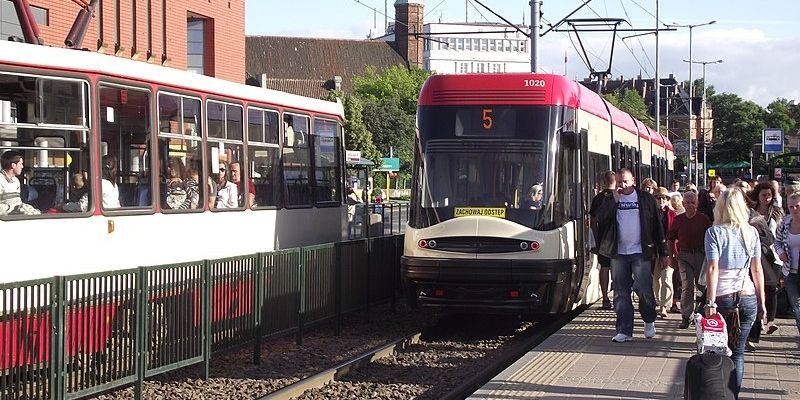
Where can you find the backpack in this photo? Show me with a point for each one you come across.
(709, 376)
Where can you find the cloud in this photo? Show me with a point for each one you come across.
(756, 67)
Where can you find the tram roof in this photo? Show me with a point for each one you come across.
(67, 60)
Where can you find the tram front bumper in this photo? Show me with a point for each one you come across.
(538, 286)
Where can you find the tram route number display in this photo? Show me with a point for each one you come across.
(480, 212)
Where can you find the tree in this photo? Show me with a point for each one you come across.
(779, 115)
(356, 135)
(737, 126)
(392, 129)
(395, 82)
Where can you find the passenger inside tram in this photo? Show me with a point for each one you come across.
(109, 183)
(227, 194)
(533, 200)
(78, 200)
(10, 188)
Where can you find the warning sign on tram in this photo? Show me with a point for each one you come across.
(480, 212)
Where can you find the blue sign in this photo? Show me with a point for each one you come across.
(772, 140)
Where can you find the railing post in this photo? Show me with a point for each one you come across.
(391, 276)
(58, 317)
(369, 266)
(338, 286)
(206, 319)
(142, 342)
(258, 297)
(301, 277)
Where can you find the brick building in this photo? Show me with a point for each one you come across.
(204, 36)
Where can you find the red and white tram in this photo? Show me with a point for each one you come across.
(504, 171)
(155, 148)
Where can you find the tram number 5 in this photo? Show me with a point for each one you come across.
(487, 118)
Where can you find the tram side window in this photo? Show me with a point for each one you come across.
(326, 161)
(296, 160)
(180, 153)
(125, 148)
(263, 157)
(225, 149)
(44, 146)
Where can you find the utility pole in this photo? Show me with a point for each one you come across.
(385, 17)
(535, 35)
(657, 85)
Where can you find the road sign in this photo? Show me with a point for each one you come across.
(772, 140)
(352, 156)
(389, 165)
(712, 172)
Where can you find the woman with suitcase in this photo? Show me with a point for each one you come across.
(733, 251)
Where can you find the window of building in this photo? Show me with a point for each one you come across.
(476, 44)
(451, 42)
(468, 44)
(225, 147)
(515, 46)
(523, 46)
(459, 44)
(125, 147)
(9, 23)
(492, 45)
(507, 44)
(326, 161)
(464, 68)
(480, 68)
(495, 68)
(195, 45)
(263, 157)
(296, 160)
(45, 122)
(180, 163)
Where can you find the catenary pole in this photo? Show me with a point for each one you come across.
(535, 35)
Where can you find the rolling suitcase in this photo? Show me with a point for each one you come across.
(709, 376)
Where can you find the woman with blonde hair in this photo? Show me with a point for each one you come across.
(733, 251)
(649, 185)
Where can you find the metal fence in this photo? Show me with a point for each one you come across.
(75, 336)
(381, 220)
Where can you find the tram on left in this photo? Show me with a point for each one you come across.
(110, 163)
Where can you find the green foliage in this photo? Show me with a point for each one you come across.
(779, 115)
(356, 135)
(391, 127)
(395, 82)
(737, 126)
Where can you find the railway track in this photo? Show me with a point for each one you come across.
(448, 360)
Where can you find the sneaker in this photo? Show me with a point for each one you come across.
(621, 337)
(685, 322)
(606, 304)
(772, 328)
(662, 312)
(750, 346)
(649, 330)
(675, 309)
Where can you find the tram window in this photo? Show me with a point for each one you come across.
(44, 141)
(180, 153)
(326, 161)
(263, 157)
(296, 160)
(220, 157)
(125, 148)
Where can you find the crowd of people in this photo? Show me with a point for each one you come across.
(733, 249)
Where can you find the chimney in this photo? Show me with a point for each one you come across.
(408, 30)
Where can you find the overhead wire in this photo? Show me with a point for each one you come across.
(625, 44)
(638, 38)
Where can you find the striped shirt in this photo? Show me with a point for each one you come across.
(727, 246)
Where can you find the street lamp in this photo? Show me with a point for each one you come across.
(691, 87)
(703, 111)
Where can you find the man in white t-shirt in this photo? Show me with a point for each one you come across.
(638, 241)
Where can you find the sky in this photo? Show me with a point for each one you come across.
(758, 41)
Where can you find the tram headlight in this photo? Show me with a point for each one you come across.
(535, 246)
(523, 245)
(431, 243)
(423, 243)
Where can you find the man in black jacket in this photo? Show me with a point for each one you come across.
(638, 238)
(609, 184)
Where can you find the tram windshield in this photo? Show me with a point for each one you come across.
(463, 171)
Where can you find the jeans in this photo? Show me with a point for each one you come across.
(627, 270)
(792, 285)
(748, 308)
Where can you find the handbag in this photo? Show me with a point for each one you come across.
(734, 323)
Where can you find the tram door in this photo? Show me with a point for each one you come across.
(577, 159)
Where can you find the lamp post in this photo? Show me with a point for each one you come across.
(703, 112)
(691, 85)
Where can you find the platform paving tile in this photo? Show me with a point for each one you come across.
(581, 362)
